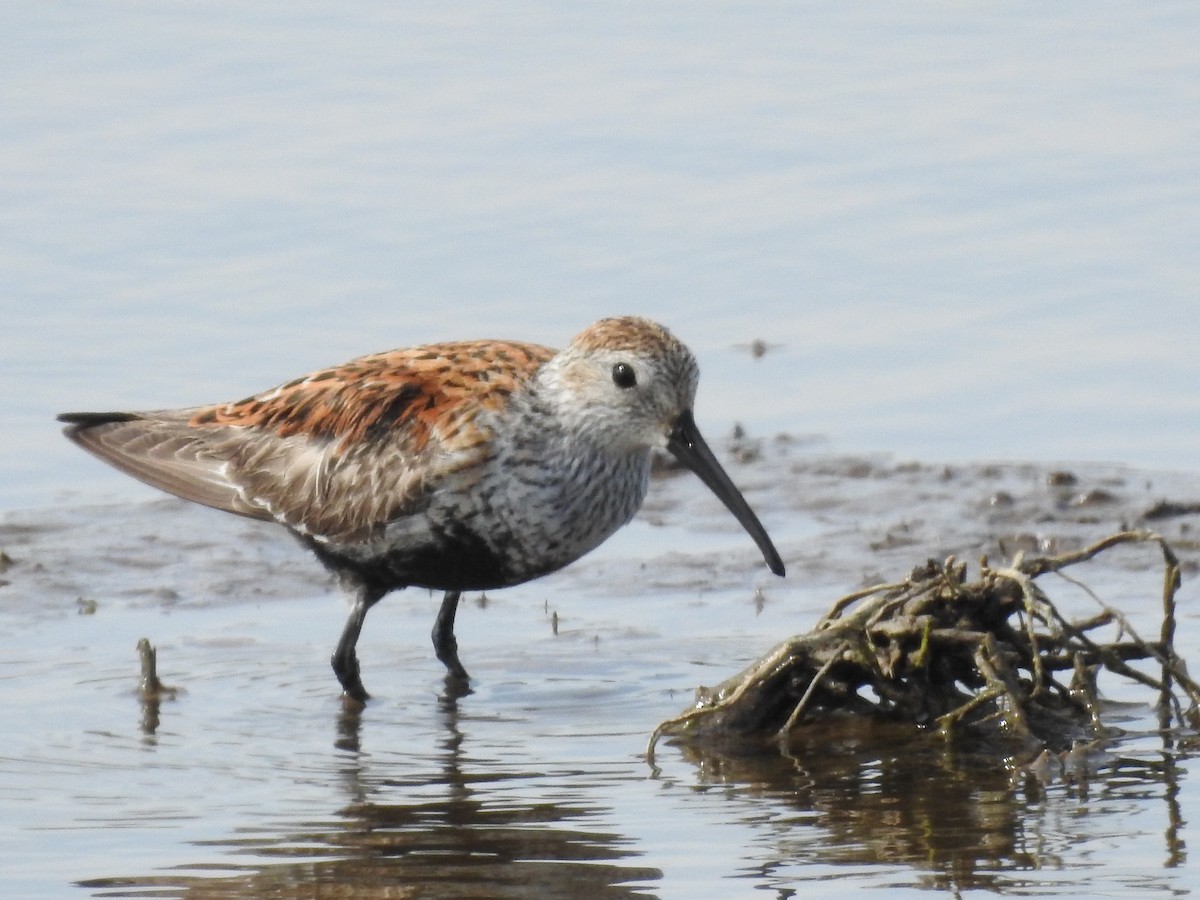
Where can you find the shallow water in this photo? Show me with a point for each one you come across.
(964, 235)
(255, 780)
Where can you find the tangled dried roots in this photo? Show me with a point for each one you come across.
(990, 656)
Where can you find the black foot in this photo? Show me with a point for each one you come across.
(448, 654)
(345, 660)
(346, 671)
(455, 688)
(445, 645)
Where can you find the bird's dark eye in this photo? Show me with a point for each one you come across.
(624, 376)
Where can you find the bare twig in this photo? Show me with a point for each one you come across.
(939, 648)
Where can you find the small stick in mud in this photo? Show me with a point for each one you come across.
(151, 689)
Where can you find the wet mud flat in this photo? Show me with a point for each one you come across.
(253, 779)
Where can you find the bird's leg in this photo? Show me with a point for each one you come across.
(445, 645)
(345, 660)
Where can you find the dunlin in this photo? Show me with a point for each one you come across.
(459, 466)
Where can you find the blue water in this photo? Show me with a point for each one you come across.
(972, 232)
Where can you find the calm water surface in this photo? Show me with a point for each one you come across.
(965, 235)
(254, 780)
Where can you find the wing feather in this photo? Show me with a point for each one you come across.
(337, 455)
(159, 448)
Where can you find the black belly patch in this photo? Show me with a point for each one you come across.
(458, 561)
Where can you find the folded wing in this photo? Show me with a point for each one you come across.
(338, 454)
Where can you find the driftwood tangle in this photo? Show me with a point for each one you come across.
(991, 656)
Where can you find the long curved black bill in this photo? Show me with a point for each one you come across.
(687, 446)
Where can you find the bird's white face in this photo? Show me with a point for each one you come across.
(624, 386)
(629, 397)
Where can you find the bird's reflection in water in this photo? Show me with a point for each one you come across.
(457, 831)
